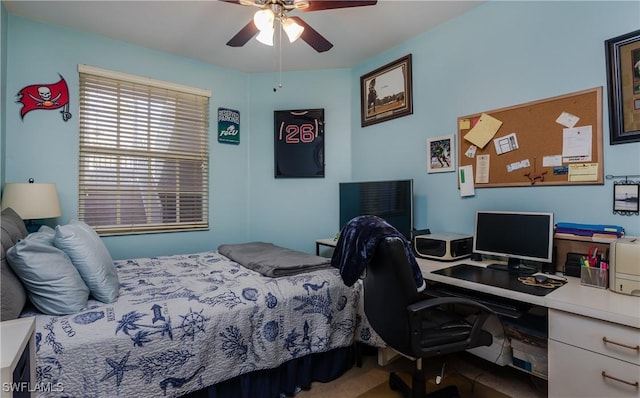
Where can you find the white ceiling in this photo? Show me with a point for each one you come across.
(201, 29)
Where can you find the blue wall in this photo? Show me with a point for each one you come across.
(44, 147)
(498, 54)
(296, 212)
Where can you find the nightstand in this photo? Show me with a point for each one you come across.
(18, 357)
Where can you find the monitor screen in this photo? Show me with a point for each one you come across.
(390, 200)
(515, 235)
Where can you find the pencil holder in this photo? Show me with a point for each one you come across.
(594, 277)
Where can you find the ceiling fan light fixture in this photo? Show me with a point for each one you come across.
(266, 36)
(300, 4)
(292, 29)
(263, 19)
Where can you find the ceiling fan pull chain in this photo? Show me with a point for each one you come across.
(280, 53)
(279, 75)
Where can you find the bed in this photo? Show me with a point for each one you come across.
(198, 323)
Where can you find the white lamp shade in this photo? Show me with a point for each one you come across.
(266, 37)
(263, 19)
(32, 201)
(292, 29)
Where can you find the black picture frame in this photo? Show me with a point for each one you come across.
(299, 143)
(623, 84)
(626, 198)
(395, 99)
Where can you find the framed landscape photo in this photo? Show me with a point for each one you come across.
(623, 84)
(625, 198)
(386, 93)
(441, 154)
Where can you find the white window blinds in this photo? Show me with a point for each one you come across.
(144, 157)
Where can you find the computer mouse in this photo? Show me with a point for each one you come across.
(540, 278)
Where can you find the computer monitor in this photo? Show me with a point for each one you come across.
(390, 200)
(515, 235)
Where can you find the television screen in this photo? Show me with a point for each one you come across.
(390, 200)
(515, 235)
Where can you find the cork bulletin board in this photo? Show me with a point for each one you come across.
(553, 141)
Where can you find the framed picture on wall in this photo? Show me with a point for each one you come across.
(441, 154)
(386, 92)
(623, 83)
(299, 143)
(625, 198)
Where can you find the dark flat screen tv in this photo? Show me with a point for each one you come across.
(390, 200)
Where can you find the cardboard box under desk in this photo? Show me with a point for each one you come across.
(530, 357)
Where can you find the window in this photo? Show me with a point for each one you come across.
(144, 157)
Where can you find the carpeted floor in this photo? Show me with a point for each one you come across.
(473, 376)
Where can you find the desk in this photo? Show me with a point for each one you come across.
(329, 242)
(591, 331)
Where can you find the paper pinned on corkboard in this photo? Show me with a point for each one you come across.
(484, 131)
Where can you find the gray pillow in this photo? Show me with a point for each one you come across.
(90, 257)
(53, 284)
(13, 295)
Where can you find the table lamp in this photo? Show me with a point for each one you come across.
(32, 201)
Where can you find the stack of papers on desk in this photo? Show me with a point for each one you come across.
(592, 230)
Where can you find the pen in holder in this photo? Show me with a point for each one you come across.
(594, 277)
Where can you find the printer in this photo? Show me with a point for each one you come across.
(443, 246)
(624, 262)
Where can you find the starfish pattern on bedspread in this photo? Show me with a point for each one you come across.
(118, 368)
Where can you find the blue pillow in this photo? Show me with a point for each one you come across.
(13, 295)
(53, 284)
(91, 257)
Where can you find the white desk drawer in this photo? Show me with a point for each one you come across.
(574, 372)
(612, 339)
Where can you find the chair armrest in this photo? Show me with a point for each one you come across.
(475, 337)
(438, 301)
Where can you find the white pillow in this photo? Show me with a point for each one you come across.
(91, 257)
(53, 284)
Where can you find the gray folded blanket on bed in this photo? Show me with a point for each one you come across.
(271, 260)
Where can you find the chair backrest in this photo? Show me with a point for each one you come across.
(389, 288)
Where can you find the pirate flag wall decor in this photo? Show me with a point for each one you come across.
(46, 97)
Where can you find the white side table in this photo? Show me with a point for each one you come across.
(17, 357)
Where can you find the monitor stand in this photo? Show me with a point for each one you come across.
(512, 266)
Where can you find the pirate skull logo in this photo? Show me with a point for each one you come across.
(45, 97)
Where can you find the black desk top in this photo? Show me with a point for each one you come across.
(492, 277)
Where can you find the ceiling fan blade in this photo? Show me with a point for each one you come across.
(312, 37)
(243, 2)
(244, 35)
(317, 5)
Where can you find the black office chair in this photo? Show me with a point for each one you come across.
(413, 324)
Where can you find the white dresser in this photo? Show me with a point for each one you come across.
(592, 358)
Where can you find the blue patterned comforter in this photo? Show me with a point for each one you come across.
(185, 322)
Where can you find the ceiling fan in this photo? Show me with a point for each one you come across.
(274, 12)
